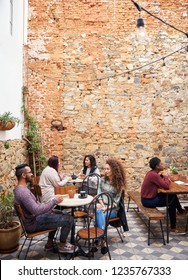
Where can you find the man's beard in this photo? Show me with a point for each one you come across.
(28, 180)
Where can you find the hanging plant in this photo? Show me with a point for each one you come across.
(8, 121)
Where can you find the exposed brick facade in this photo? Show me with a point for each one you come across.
(129, 116)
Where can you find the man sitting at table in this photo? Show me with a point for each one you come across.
(40, 216)
(151, 198)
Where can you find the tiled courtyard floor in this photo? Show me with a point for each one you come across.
(134, 246)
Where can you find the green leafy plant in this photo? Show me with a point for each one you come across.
(7, 117)
(6, 145)
(38, 159)
(173, 169)
(6, 209)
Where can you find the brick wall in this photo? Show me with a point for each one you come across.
(87, 45)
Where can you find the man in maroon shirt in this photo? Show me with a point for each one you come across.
(151, 198)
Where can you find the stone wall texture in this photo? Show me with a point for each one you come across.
(86, 66)
(12, 153)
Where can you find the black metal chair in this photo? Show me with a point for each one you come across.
(120, 222)
(31, 235)
(91, 233)
(91, 180)
(90, 184)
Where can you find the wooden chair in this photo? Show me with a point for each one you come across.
(35, 188)
(91, 233)
(30, 235)
(64, 189)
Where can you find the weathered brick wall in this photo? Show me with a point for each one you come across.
(12, 153)
(129, 116)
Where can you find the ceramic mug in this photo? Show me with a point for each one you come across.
(82, 193)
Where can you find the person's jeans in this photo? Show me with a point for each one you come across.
(160, 201)
(100, 217)
(53, 220)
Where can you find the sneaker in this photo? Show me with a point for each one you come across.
(178, 231)
(67, 248)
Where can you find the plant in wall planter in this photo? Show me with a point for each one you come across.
(8, 121)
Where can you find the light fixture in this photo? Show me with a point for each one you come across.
(140, 8)
(141, 32)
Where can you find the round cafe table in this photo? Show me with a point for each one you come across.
(72, 203)
(76, 201)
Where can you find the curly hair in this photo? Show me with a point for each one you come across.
(118, 174)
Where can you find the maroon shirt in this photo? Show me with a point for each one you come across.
(152, 182)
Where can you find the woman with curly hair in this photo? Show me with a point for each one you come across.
(114, 181)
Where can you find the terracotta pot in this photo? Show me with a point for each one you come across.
(7, 126)
(9, 239)
(174, 177)
(71, 194)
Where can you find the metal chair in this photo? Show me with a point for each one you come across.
(91, 233)
(30, 235)
(90, 184)
(92, 179)
(120, 222)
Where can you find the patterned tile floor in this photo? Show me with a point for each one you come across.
(134, 246)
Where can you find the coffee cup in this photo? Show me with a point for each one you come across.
(82, 194)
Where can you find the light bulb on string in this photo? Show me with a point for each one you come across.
(58, 85)
(141, 32)
(128, 78)
(99, 85)
(164, 66)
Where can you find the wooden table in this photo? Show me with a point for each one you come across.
(72, 203)
(174, 189)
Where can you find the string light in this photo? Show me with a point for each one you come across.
(58, 85)
(112, 76)
(140, 8)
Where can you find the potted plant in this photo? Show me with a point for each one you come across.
(10, 228)
(174, 176)
(71, 193)
(8, 121)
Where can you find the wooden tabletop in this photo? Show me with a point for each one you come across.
(176, 188)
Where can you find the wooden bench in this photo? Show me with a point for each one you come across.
(149, 213)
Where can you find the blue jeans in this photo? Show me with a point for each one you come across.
(160, 201)
(100, 217)
(54, 220)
